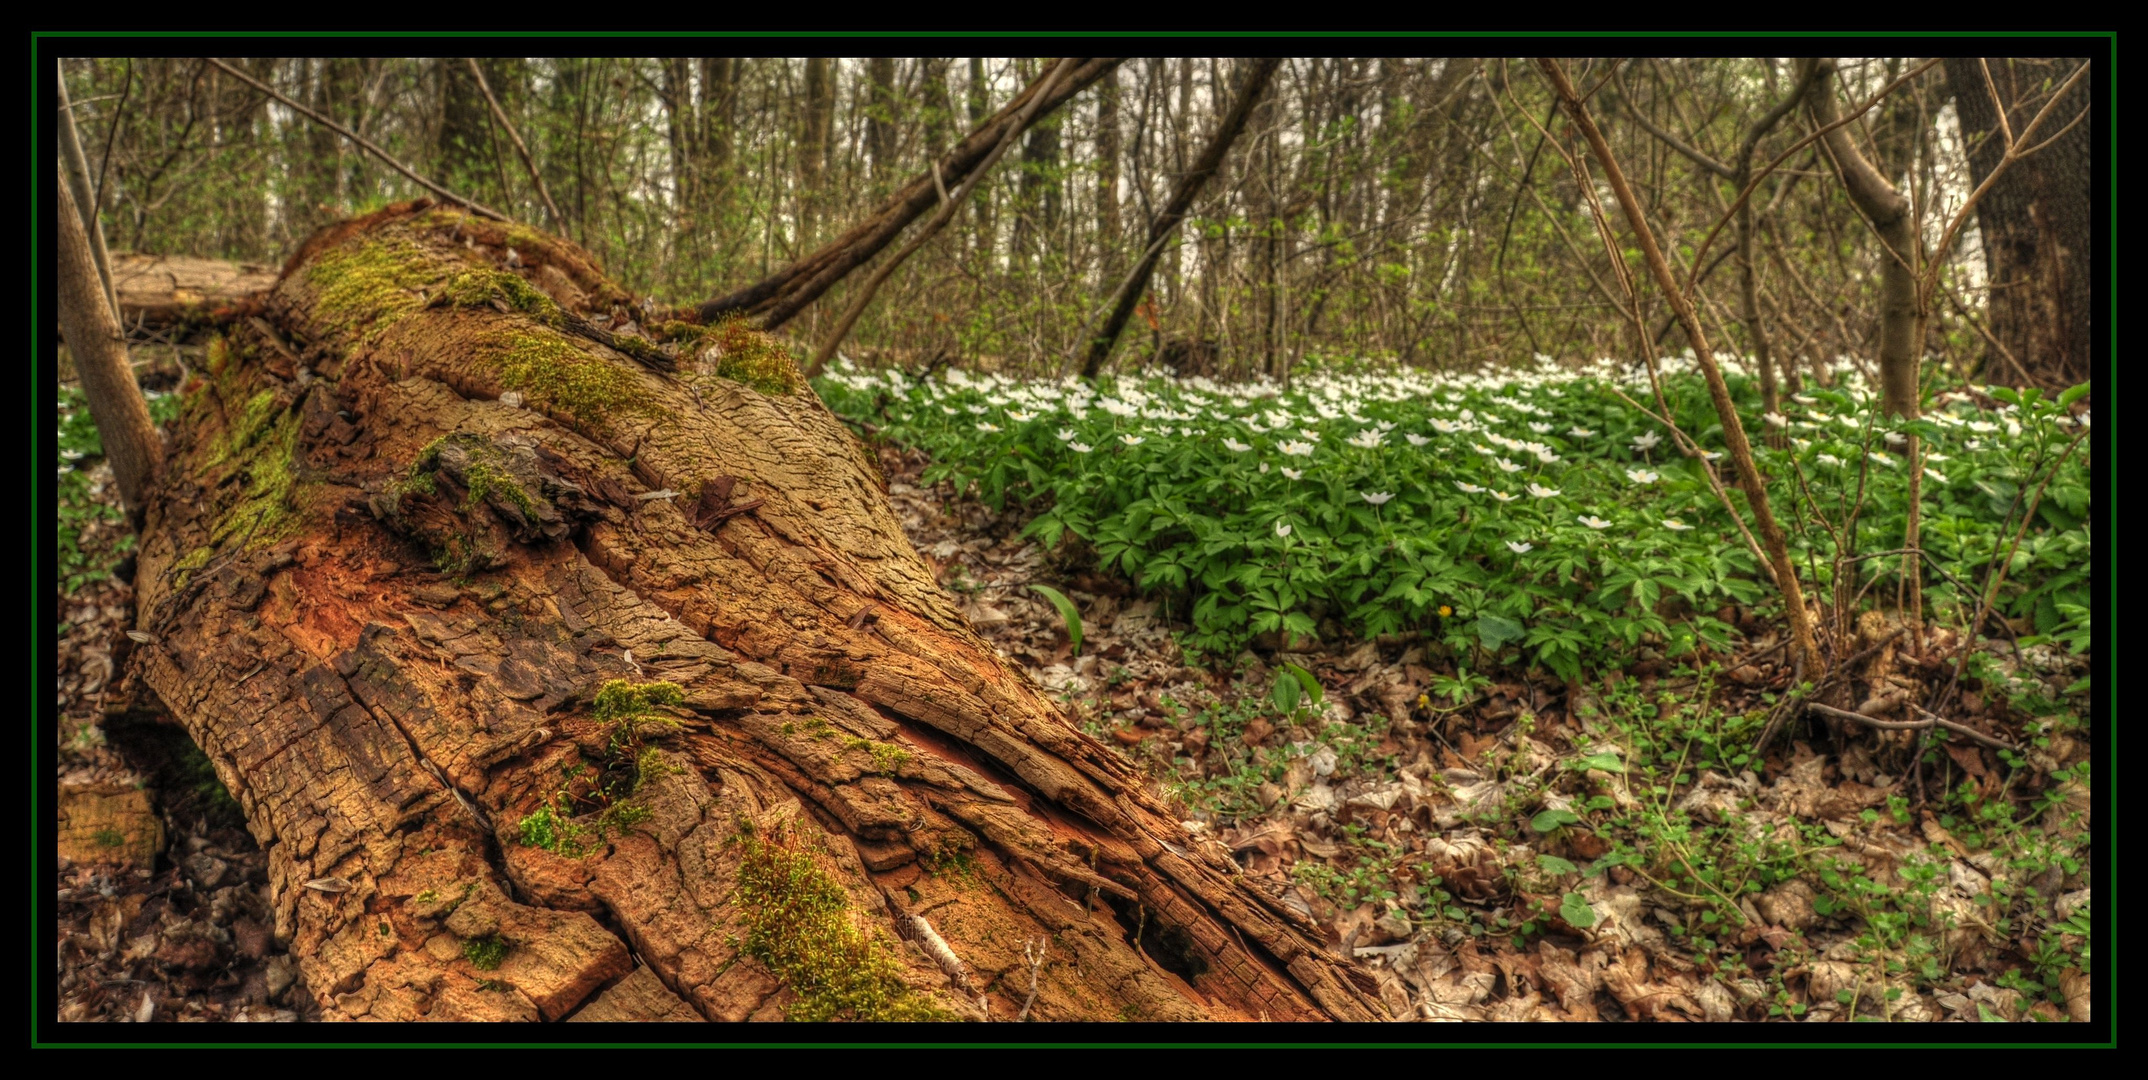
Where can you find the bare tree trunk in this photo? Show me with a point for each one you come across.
(880, 117)
(1167, 221)
(978, 99)
(780, 296)
(938, 108)
(1107, 163)
(719, 98)
(465, 128)
(680, 131)
(1890, 215)
(553, 683)
(813, 141)
(89, 321)
(2036, 223)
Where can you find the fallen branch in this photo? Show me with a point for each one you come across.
(948, 206)
(1929, 720)
(1789, 704)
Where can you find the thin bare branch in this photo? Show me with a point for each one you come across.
(474, 207)
(559, 220)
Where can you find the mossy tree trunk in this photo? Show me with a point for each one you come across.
(525, 734)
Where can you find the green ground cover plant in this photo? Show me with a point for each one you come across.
(1537, 515)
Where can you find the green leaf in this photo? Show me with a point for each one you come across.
(1606, 761)
(1553, 864)
(1307, 683)
(1552, 819)
(1496, 630)
(1066, 611)
(1287, 692)
(2072, 394)
(1575, 909)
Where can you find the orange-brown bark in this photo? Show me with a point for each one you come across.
(388, 725)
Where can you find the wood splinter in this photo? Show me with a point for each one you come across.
(918, 930)
(715, 506)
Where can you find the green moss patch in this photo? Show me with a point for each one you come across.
(802, 927)
(265, 511)
(183, 568)
(480, 287)
(482, 470)
(620, 699)
(744, 355)
(887, 757)
(547, 828)
(363, 288)
(462, 554)
(485, 953)
(950, 863)
(632, 711)
(555, 373)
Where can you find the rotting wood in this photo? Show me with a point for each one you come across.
(298, 537)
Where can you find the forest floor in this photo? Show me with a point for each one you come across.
(1516, 850)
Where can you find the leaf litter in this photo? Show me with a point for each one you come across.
(1524, 853)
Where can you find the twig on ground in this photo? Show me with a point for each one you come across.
(1929, 720)
(1033, 952)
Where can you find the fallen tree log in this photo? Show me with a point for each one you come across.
(156, 291)
(562, 670)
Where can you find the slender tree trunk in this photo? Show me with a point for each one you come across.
(978, 99)
(680, 130)
(1107, 164)
(75, 168)
(1804, 651)
(813, 141)
(1889, 213)
(465, 138)
(1167, 221)
(90, 323)
(719, 103)
(938, 108)
(1036, 204)
(880, 121)
(336, 88)
(424, 631)
(1749, 311)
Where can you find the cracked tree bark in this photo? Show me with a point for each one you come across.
(387, 726)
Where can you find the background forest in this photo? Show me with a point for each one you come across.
(1373, 207)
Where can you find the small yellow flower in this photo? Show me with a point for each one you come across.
(1446, 612)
